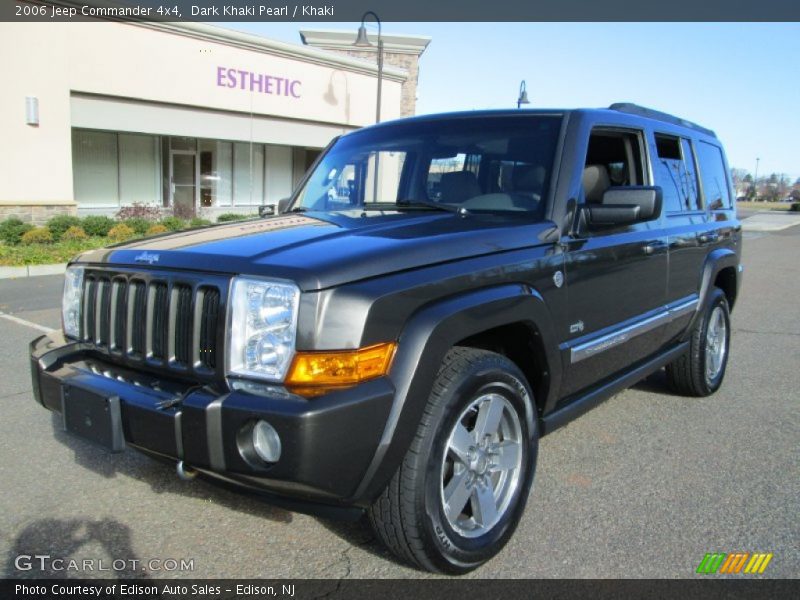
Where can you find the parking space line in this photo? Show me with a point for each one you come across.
(30, 324)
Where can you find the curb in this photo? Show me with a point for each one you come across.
(32, 271)
(769, 222)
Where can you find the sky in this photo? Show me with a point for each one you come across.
(739, 79)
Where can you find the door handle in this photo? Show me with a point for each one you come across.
(654, 247)
(708, 238)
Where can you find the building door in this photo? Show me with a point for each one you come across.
(183, 179)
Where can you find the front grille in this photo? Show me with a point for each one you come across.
(164, 323)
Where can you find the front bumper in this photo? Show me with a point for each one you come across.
(327, 442)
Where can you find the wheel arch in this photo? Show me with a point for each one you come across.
(476, 317)
(721, 266)
(520, 342)
(721, 269)
(726, 279)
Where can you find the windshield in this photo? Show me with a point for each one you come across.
(489, 164)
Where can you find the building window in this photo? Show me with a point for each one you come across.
(95, 169)
(139, 173)
(216, 173)
(248, 174)
(112, 169)
(278, 180)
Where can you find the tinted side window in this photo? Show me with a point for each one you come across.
(713, 176)
(692, 187)
(613, 159)
(674, 171)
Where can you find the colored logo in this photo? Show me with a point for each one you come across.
(738, 562)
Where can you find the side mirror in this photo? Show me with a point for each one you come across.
(266, 210)
(283, 204)
(625, 206)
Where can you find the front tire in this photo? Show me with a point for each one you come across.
(700, 371)
(461, 489)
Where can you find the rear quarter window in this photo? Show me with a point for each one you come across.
(713, 176)
(674, 171)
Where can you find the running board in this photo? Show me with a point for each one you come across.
(582, 404)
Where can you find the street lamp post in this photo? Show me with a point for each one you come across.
(362, 41)
(523, 95)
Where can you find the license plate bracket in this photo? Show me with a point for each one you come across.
(93, 417)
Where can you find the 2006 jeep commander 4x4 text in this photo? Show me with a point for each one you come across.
(439, 293)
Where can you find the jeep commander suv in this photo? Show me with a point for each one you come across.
(437, 294)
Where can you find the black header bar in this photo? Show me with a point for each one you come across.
(405, 10)
(388, 589)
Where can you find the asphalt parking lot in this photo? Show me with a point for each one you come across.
(643, 486)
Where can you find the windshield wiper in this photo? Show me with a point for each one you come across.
(298, 209)
(412, 204)
(459, 210)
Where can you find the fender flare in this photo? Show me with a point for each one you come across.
(423, 343)
(719, 259)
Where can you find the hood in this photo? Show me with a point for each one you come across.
(321, 250)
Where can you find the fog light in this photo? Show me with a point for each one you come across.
(266, 442)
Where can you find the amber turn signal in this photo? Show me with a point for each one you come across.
(333, 369)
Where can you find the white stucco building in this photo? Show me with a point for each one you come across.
(99, 115)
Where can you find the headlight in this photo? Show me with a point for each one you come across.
(263, 326)
(71, 302)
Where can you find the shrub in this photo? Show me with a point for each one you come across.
(12, 230)
(173, 223)
(228, 217)
(74, 234)
(795, 207)
(59, 224)
(97, 225)
(139, 225)
(198, 222)
(156, 229)
(182, 211)
(138, 210)
(120, 233)
(38, 235)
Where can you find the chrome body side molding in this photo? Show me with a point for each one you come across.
(594, 343)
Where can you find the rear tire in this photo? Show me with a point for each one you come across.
(461, 489)
(700, 371)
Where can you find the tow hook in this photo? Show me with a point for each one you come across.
(185, 472)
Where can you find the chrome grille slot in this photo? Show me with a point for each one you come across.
(157, 319)
(90, 309)
(181, 322)
(209, 314)
(137, 319)
(103, 326)
(119, 314)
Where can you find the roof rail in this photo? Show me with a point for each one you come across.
(642, 111)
